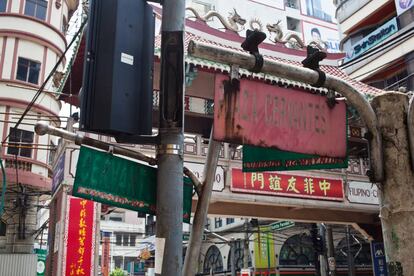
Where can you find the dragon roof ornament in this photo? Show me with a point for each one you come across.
(236, 24)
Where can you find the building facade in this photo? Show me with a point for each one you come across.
(377, 38)
(288, 24)
(32, 38)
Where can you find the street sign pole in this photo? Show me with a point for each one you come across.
(168, 261)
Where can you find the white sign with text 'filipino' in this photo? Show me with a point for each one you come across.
(362, 192)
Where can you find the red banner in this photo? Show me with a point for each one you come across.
(290, 185)
(105, 259)
(264, 115)
(80, 241)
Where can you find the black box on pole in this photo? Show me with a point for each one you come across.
(117, 94)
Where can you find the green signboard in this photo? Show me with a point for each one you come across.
(116, 181)
(256, 159)
(280, 225)
(41, 261)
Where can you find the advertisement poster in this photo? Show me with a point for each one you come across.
(321, 9)
(79, 237)
(403, 5)
(330, 37)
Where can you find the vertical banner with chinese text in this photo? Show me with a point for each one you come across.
(79, 237)
(264, 248)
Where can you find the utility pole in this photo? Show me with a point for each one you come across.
(349, 255)
(314, 235)
(396, 191)
(169, 240)
(331, 250)
(232, 256)
(322, 255)
(246, 244)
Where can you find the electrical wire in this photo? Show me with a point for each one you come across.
(40, 90)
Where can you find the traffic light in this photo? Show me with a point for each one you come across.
(116, 96)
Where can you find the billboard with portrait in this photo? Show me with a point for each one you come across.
(403, 5)
(321, 9)
(314, 32)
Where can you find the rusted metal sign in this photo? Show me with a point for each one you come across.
(287, 119)
(289, 185)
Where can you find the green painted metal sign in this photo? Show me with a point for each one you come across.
(257, 159)
(116, 181)
(280, 225)
(41, 261)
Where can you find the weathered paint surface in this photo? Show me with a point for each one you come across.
(265, 115)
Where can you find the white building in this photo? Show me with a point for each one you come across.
(32, 38)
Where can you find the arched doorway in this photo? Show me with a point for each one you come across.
(297, 250)
(213, 260)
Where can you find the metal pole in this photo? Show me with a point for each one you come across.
(246, 244)
(296, 73)
(233, 257)
(331, 250)
(351, 268)
(194, 244)
(169, 238)
(322, 255)
(314, 234)
(97, 238)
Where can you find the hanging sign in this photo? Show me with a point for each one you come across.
(270, 116)
(116, 181)
(362, 192)
(79, 237)
(379, 262)
(257, 159)
(290, 185)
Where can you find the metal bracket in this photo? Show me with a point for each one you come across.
(314, 56)
(331, 101)
(251, 43)
(173, 149)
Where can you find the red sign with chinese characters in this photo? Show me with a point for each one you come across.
(264, 115)
(290, 185)
(80, 237)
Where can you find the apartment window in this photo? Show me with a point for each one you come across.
(125, 239)
(28, 70)
(115, 219)
(3, 5)
(118, 238)
(2, 228)
(132, 240)
(20, 142)
(293, 24)
(229, 220)
(293, 4)
(218, 222)
(36, 8)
